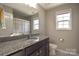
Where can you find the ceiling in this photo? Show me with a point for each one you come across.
(47, 6)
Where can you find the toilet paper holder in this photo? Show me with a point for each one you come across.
(61, 39)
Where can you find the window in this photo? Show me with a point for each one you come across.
(35, 24)
(63, 20)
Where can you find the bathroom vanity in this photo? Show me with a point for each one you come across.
(26, 47)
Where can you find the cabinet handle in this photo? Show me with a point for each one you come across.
(40, 51)
(37, 54)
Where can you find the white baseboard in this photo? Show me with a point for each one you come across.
(67, 52)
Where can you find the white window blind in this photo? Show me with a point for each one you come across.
(63, 20)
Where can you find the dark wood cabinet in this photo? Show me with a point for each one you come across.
(40, 48)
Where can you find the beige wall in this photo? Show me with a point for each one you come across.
(42, 23)
(71, 37)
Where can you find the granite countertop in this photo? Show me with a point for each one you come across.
(9, 47)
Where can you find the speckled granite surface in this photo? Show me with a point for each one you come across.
(9, 47)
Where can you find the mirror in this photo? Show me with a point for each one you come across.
(22, 25)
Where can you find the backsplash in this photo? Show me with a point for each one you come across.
(3, 39)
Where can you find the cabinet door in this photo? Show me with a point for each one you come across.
(42, 51)
(35, 53)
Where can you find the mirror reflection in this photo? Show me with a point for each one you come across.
(20, 20)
